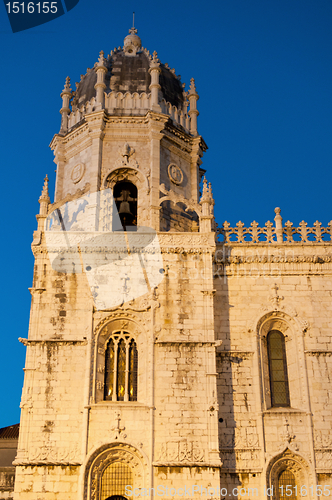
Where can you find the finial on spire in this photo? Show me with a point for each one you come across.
(44, 199)
(44, 193)
(192, 87)
(67, 87)
(155, 57)
(132, 42)
(101, 58)
(133, 30)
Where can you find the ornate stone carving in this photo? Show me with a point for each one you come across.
(181, 450)
(290, 461)
(242, 438)
(324, 459)
(108, 454)
(51, 455)
(7, 480)
(286, 436)
(175, 173)
(77, 173)
(274, 297)
(175, 198)
(322, 439)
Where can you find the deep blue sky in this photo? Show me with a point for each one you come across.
(263, 70)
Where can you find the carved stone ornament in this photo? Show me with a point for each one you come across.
(48, 454)
(180, 451)
(175, 173)
(288, 460)
(77, 173)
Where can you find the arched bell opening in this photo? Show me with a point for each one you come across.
(125, 197)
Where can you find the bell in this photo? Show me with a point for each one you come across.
(125, 214)
(125, 208)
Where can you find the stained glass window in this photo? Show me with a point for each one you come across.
(121, 375)
(109, 371)
(132, 378)
(278, 369)
(121, 366)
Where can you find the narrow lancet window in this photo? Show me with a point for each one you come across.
(278, 369)
(121, 375)
(121, 367)
(109, 371)
(132, 378)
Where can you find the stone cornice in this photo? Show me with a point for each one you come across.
(27, 342)
(319, 352)
(79, 129)
(188, 342)
(234, 354)
(38, 463)
(217, 465)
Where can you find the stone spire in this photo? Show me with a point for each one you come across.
(207, 204)
(65, 110)
(154, 86)
(193, 113)
(44, 199)
(100, 85)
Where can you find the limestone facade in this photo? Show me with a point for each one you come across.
(203, 414)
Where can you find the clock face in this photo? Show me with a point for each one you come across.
(175, 173)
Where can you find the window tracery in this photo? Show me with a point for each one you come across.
(121, 364)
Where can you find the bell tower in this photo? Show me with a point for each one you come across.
(120, 377)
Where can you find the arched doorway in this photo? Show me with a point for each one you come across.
(112, 468)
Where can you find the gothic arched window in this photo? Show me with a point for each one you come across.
(278, 369)
(125, 196)
(114, 480)
(287, 485)
(121, 362)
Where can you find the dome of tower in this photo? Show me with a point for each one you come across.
(127, 70)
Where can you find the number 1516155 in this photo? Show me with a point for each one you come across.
(32, 7)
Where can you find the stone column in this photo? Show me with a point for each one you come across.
(100, 85)
(195, 162)
(65, 110)
(154, 86)
(193, 113)
(60, 160)
(155, 135)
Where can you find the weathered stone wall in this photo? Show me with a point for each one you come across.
(260, 288)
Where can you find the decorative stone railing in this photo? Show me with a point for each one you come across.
(275, 233)
(77, 115)
(129, 104)
(177, 115)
